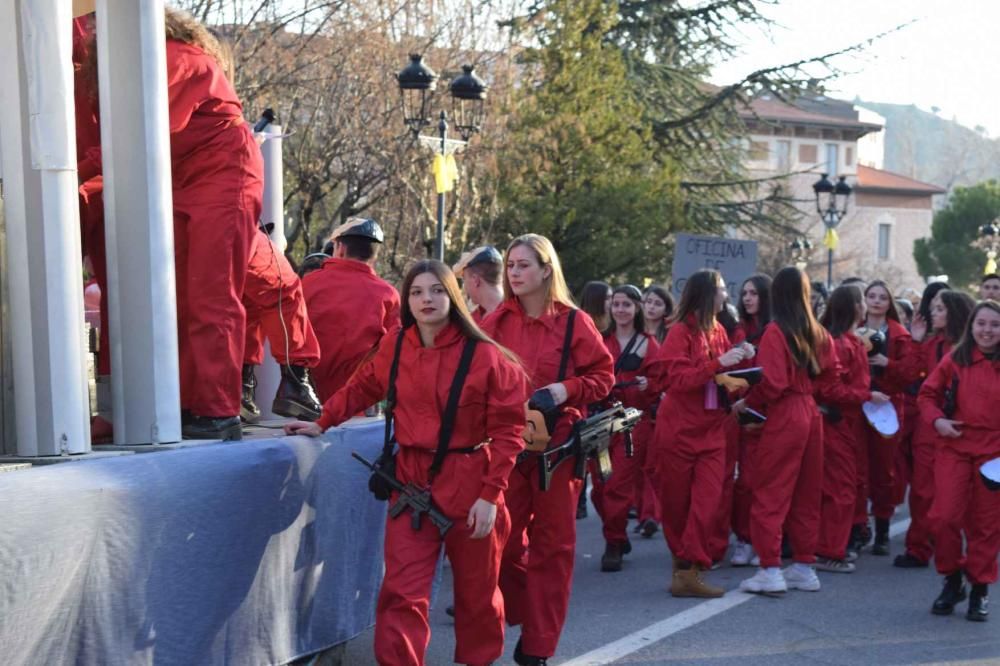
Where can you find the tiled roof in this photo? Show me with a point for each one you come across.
(825, 113)
(871, 180)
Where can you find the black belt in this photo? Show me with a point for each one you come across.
(466, 449)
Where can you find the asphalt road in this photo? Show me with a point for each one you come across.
(878, 615)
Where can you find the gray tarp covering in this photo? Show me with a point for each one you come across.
(247, 553)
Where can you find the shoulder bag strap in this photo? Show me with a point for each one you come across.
(567, 343)
(451, 410)
(390, 401)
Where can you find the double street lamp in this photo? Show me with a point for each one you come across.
(989, 237)
(831, 213)
(417, 83)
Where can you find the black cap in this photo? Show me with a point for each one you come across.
(487, 254)
(362, 227)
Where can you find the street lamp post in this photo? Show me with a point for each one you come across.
(989, 235)
(417, 84)
(831, 214)
(801, 247)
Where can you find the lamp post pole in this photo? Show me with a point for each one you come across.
(439, 241)
(832, 214)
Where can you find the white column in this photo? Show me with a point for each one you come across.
(43, 231)
(138, 219)
(273, 212)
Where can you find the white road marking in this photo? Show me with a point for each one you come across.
(656, 632)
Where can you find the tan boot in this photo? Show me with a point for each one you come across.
(689, 583)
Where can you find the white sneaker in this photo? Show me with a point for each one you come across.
(834, 566)
(765, 581)
(755, 560)
(852, 556)
(801, 577)
(742, 554)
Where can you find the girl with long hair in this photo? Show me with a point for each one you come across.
(948, 313)
(754, 306)
(469, 485)
(534, 322)
(960, 399)
(796, 355)
(895, 363)
(842, 428)
(632, 350)
(691, 429)
(595, 300)
(657, 308)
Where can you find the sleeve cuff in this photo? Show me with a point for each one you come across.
(490, 493)
(324, 421)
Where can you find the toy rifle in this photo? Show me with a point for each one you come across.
(590, 439)
(410, 496)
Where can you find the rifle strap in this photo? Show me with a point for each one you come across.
(390, 401)
(567, 343)
(451, 409)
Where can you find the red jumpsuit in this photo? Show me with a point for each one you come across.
(843, 438)
(788, 461)
(491, 409)
(691, 439)
(276, 308)
(962, 502)
(536, 582)
(613, 498)
(924, 444)
(350, 308)
(903, 369)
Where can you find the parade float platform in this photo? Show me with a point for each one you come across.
(252, 552)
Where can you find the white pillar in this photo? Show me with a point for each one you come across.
(273, 212)
(43, 230)
(138, 219)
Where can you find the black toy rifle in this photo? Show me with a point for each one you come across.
(590, 439)
(419, 501)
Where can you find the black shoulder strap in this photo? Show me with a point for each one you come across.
(390, 400)
(567, 343)
(626, 351)
(940, 350)
(451, 410)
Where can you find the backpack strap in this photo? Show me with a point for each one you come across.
(567, 343)
(451, 410)
(390, 401)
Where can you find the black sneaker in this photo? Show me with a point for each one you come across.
(909, 561)
(649, 528)
(296, 397)
(526, 659)
(979, 603)
(206, 427)
(881, 545)
(249, 412)
(953, 593)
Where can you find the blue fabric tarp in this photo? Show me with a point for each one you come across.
(254, 552)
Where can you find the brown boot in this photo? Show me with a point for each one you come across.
(689, 583)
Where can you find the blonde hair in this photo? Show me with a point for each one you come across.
(183, 27)
(545, 254)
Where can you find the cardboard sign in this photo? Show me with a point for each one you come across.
(735, 259)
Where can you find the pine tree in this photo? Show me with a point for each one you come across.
(949, 250)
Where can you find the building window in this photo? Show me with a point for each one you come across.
(831, 159)
(884, 231)
(784, 151)
(849, 156)
(808, 154)
(759, 151)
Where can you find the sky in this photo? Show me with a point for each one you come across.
(949, 57)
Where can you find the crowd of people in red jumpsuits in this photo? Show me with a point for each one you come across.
(723, 464)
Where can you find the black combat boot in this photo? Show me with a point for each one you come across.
(207, 427)
(248, 403)
(527, 659)
(296, 397)
(612, 558)
(881, 545)
(979, 603)
(953, 593)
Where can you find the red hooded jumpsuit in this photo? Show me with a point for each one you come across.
(903, 369)
(536, 582)
(491, 410)
(690, 439)
(962, 503)
(924, 444)
(613, 499)
(351, 308)
(788, 461)
(840, 446)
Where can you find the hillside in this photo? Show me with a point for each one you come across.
(933, 149)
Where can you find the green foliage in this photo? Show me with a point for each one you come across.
(949, 251)
(579, 166)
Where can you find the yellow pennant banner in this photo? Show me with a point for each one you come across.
(830, 240)
(445, 173)
(991, 263)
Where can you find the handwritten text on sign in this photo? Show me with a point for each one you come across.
(735, 259)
